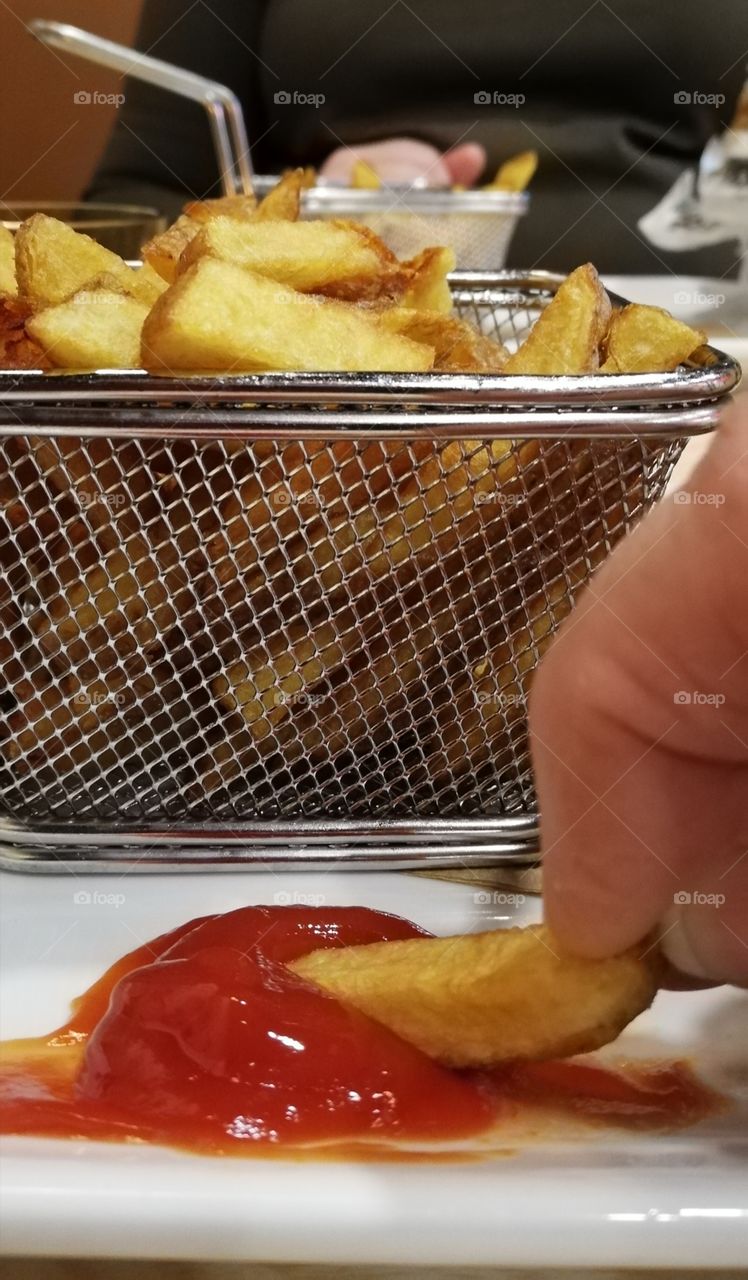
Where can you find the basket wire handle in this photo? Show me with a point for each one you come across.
(222, 105)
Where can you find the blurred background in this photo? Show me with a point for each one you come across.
(38, 161)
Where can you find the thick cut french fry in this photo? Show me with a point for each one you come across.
(364, 177)
(162, 252)
(222, 318)
(566, 337)
(336, 258)
(8, 283)
(429, 288)
(644, 339)
(53, 261)
(95, 329)
(241, 207)
(514, 174)
(283, 203)
(458, 346)
(18, 350)
(488, 998)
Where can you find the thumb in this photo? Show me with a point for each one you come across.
(465, 164)
(639, 716)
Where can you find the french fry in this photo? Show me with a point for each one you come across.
(223, 318)
(95, 329)
(566, 337)
(644, 339)
(514, 174)
(429, 288)
(241, 207)
(485, 998)
(283, 203)
(18, 350)
(336, 258)
(364, 177)
(8, 284)
(53, 261)
(162, 252)
(458, 346)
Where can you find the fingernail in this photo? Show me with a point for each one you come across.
(676, 947)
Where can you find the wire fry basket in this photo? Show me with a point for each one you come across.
(294, 618)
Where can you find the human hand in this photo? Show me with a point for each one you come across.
(404, 160)
(639, 721)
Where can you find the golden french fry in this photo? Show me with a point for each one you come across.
(53, 261)
(487, 998)
(162, 252)
(363, 176)
(644, 339)
(514, 174)
(458, 346)
(284, 201)
(223, 318)
(429, 289)
(222, 207)
(335, 258)
(95, 329)
(566, 337)
(8, 284)
(17, 349)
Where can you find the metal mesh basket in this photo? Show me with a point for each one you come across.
(478, 225)
(296, 616)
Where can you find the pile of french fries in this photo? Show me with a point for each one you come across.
(234, 286)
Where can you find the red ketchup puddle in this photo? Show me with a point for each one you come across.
(203, 1039)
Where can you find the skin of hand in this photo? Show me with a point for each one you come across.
(404, 160)
(639, 724)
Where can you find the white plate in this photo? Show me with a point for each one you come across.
(629, 1201)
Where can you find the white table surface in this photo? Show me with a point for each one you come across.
(722, 309)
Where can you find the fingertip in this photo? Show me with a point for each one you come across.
(465, 163)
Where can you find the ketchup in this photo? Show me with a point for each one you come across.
(205, 1039)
